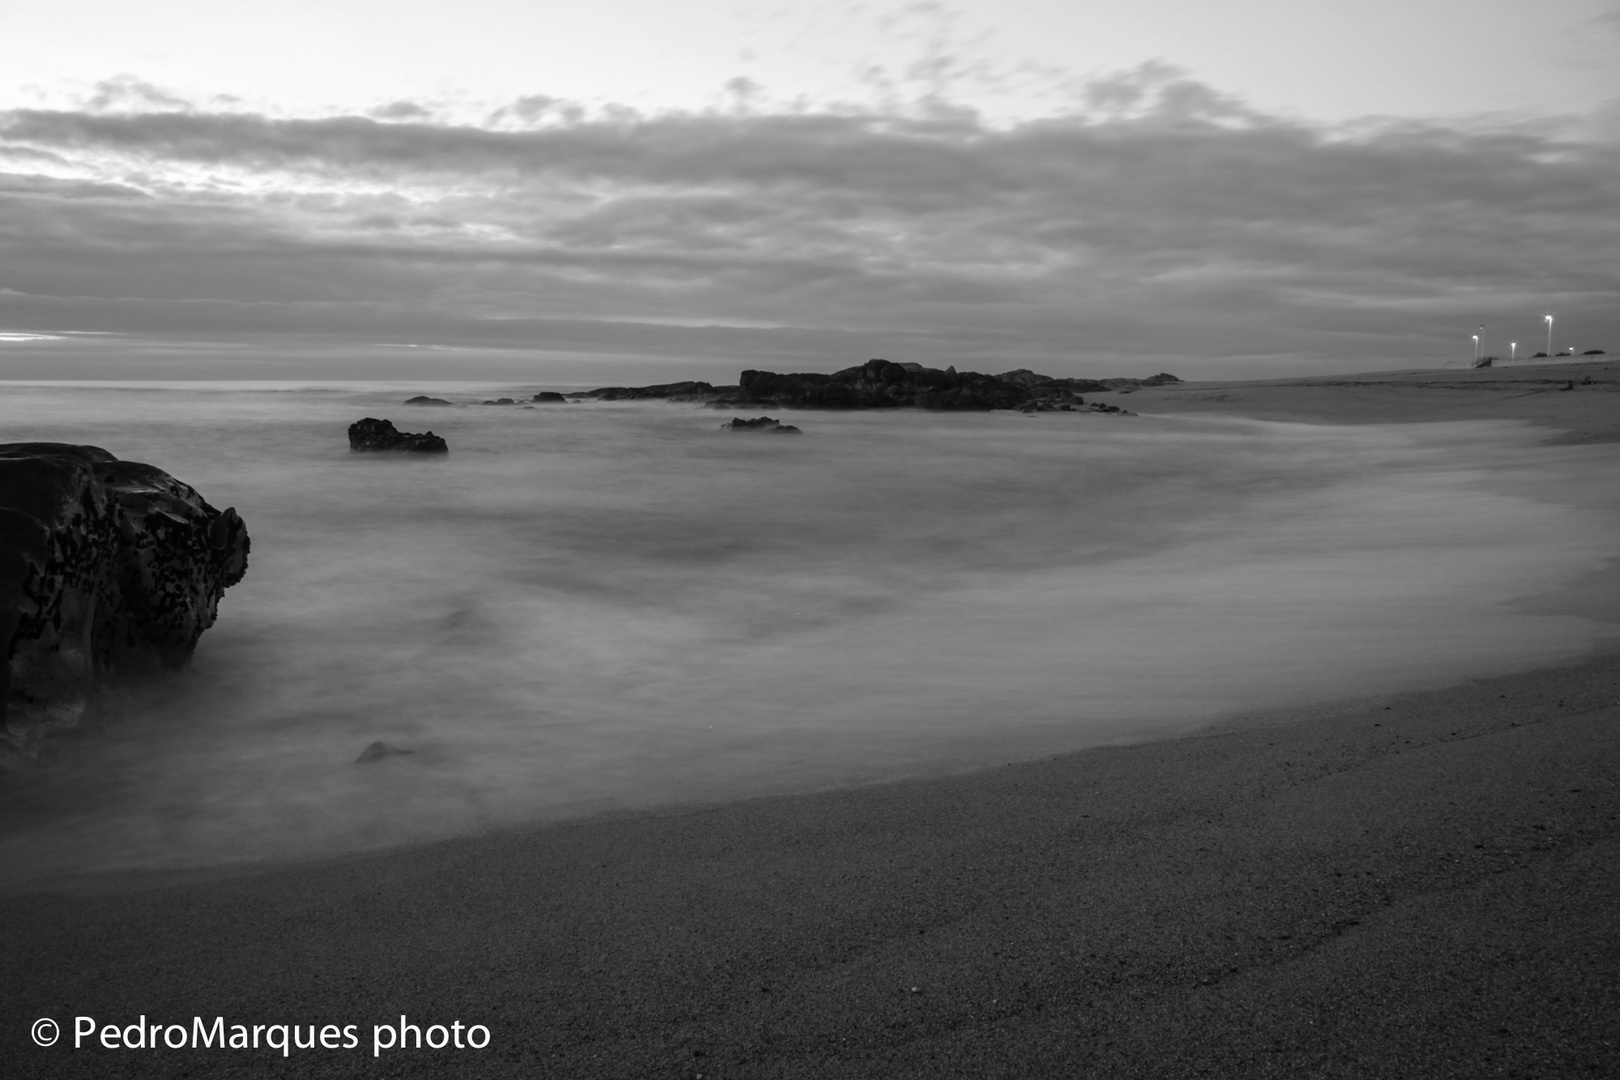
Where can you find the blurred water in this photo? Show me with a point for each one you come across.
(601, 606)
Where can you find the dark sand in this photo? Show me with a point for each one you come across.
(1423, 885)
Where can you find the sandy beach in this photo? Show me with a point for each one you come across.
(1412, 885)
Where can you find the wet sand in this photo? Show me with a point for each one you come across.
(1416, 885)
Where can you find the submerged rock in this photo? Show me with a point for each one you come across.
(104, 565)
(762, 423)
(374, 434)
(550, 397)
(377, 751)
(423, 399)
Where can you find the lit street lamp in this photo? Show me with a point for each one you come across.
(1476, 348)
(1549, 334)
(1513, 350)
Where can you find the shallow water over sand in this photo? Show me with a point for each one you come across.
(604, 606)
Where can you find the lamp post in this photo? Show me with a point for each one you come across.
(1476, 347)
(1549, 319)
(1513, 351)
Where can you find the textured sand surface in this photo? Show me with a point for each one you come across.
(1411, 886)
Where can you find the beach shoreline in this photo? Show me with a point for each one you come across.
(1423, 883)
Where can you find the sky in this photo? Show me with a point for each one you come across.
(639, 191)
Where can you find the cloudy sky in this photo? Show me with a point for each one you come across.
(635, 189)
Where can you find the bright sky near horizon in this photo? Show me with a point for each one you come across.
(1232, 183)
(1325, 59)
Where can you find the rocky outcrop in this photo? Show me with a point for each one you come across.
(879, 384)
(761, 423)
(550, 397)
(679, 391)
(501, 401)
(105, 565)
(423, 399)
(374, 434)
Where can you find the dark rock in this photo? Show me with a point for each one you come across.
(879, 384)
(422, 399)
(105, 565)
(377, 751)
(501, 401)
(374, 434)
(550, 396)
(1024, 378)
(680, 391)
(762, 423)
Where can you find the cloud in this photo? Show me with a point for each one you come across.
(1161, 218)
(401, 110)
(127, 94)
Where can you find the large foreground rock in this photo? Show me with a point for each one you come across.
(374, 434)
(104, 565)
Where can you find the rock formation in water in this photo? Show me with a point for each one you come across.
(374, 434)
(379, 750)
(105, 565)
(879, 384)
(679, 391)
(550, 397)
(761, 423)
(423, 399)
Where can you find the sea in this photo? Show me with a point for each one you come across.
(619, 607)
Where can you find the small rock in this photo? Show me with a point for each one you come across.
(374, 434)
(377, 751)
(761, 423)
(423, 399)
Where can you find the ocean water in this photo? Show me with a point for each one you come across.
(613, 606)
